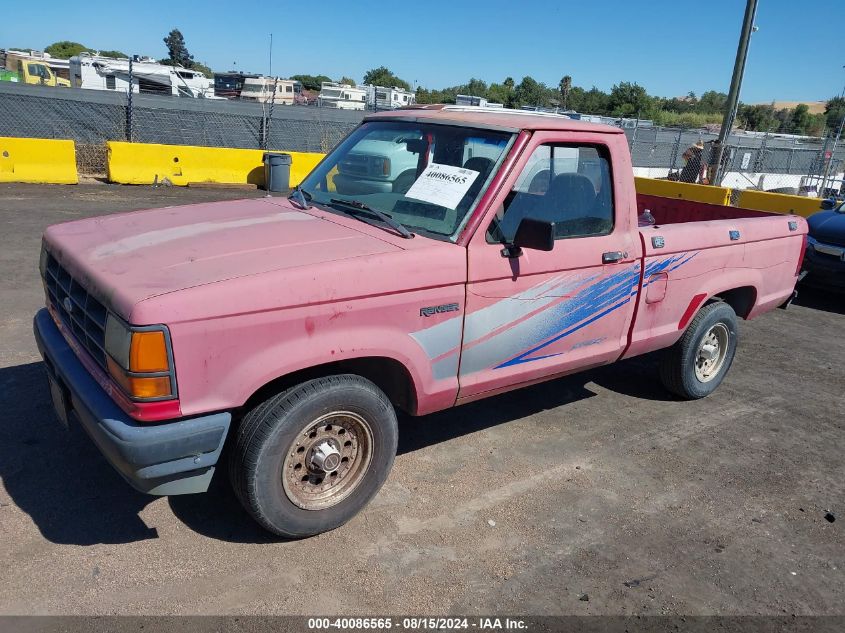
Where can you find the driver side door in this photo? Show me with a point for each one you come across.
(547, 313)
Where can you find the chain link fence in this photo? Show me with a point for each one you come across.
(784, 163)
(770, 162)
(91, 117)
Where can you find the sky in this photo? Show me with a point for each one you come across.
(670, 48)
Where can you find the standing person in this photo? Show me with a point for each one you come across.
(695, 168)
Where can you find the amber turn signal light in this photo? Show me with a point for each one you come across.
(148, 352)
(140, 387)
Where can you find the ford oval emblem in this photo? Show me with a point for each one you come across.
(68, 304)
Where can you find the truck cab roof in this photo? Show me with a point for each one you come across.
(493, 118)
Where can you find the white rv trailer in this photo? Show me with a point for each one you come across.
(94, 72)
(267, 89)
(381, 98)
(341, 96)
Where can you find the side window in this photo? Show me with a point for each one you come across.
(569, 185)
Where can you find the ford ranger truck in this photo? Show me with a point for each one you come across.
(290, 330)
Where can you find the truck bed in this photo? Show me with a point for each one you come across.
(696, 251)
(678, 211)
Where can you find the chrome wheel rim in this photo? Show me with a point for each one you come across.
(712, 351)
(327, 460)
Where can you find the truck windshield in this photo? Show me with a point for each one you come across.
(426, 176)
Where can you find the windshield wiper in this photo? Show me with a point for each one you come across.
(354, 206)
(300, 197)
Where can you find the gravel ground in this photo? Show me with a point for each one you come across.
(594, 494)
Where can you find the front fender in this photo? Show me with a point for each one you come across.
(222, 362)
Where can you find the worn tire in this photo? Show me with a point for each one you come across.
(678, 366)
(268, 432)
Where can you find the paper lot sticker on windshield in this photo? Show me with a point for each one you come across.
(442, 185)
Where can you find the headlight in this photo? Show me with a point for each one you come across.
(381, 165)
(140, 359)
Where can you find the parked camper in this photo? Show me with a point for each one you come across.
(381, 98)
(267, 89)
(341, 96)
(229, 85)
(94, 72)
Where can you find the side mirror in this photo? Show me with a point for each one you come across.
(415, 145)
(535, 234)
(828, 204)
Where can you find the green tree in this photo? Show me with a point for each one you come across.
(475, 87)
(114, 54)
(575, 99)
(500, 93)
(382, 76)
(801, 119)
(685, 119)
(628, 99)
(205, 70)
(66, 49)
(311, 82)
(530, 92)
(712, 102)
(177, 52)
(346, 80)
(758, 118)
(565, 87)
(689, 103)
(595, 102)
(834, 112)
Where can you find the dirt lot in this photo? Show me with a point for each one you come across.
(599, 484)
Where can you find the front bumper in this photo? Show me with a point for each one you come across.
(823, 270)
(176, 457)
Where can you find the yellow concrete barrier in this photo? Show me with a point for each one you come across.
(142, 163)
(778, 202)
(683, 191)
(37, 160)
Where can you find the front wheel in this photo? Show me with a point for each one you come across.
(309, 459)
(694, 366)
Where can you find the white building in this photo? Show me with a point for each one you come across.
(93, 72)
(341, 96)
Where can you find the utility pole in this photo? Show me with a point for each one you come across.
(733, 95)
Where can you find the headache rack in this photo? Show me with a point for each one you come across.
(82, 314)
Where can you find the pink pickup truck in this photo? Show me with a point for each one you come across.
(437, 256)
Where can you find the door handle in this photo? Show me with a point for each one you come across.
(613, 257)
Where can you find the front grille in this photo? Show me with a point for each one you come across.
(354, 164)
(81, 313)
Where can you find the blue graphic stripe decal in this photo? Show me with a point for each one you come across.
(591, 304)
(522, 357)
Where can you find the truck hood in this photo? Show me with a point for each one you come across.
(129, 257)
(828, 226)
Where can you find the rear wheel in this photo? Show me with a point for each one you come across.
(694, 366)
(309, 459)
